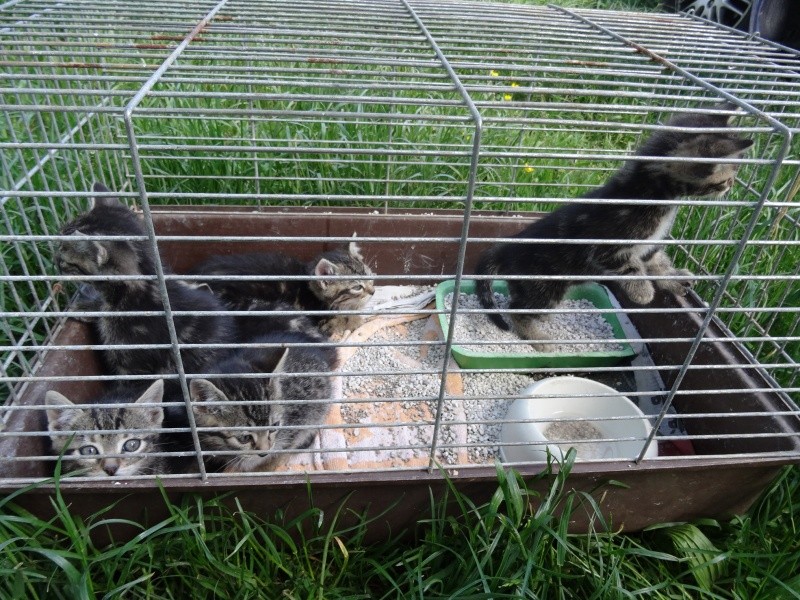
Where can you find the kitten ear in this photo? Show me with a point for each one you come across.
(59, 419)
(354, 250)
(153, 394)
(99, 250)
(730, 147)
(108, 201)
(728, 107)
(324, 268)
(202, 390)
(275, 392)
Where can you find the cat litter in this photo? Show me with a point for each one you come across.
(584, 325)
(399, 383)
(402, 435)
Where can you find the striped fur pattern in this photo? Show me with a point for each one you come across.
(254, 417)
(108, 432)
(640, 179)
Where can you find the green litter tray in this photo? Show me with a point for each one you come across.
(472, 359)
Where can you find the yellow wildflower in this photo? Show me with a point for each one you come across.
(494, 73)
(528, 168)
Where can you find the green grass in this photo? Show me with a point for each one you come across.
(503, 549)
(514, 546)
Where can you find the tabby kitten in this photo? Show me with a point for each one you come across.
(252, 430)
(91, 450)
(319, 294)
(82, 256)
(638, 179)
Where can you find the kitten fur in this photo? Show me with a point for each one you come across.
(250, 429)
(637, 179)
(90, 450)
(319, 294)
(82, 256)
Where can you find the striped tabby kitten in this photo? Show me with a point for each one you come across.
(319, 294)
(646, 179)
(81, 256)
(252, 431)
(91, 450)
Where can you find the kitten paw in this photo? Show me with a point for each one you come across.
(88, 299)
(677, 286)
(534, 331)
(543, 347)
(640, 292)
(341, 325)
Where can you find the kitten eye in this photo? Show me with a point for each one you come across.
(131, 445)
(88, 450)
(245, 438)
(358, 287)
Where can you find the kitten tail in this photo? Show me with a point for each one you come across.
(483, 288)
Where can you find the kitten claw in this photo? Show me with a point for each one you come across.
(676, 286)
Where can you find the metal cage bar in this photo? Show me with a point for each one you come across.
(381, 110)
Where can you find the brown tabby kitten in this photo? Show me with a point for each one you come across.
(82, 256)
(638, 179)
(318, 294)
(252, 434)
(92, 449)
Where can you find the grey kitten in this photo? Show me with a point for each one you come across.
(638, 179)
(319, 294)
(254, 429)
(91, 450)
(82, 256)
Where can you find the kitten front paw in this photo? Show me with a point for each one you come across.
(677, 286)
(639, 292)
(88, 299)
(341, 325)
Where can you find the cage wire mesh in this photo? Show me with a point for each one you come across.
(430, 129)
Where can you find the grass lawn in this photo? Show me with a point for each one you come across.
(507, 548)
(503, 549)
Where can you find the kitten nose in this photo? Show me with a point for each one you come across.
(110, 466)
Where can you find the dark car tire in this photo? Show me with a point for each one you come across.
(777, 20)
(732, 13)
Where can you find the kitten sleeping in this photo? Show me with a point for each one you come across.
(637, 179)
(91, 450)
(319, 294)
(249, 430)
(83, 256)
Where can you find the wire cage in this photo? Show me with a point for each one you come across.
(430, 129)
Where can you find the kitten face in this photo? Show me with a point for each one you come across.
(90, 449)
(249, 430)
(83, 256)
(248, 433)
(697, 179)
(343, 294)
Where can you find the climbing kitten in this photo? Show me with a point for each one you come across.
(82, 256)
(249, 429)
(90, 449)
(319, 294)
(637, 179)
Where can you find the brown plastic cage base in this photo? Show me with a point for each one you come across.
(718, 482)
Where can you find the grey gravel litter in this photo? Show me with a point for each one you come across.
(476, 327)
(477, 421)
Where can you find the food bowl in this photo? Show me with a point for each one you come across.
(476, 358)
(558, 413)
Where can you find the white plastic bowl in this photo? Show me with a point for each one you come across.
(573, 398)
